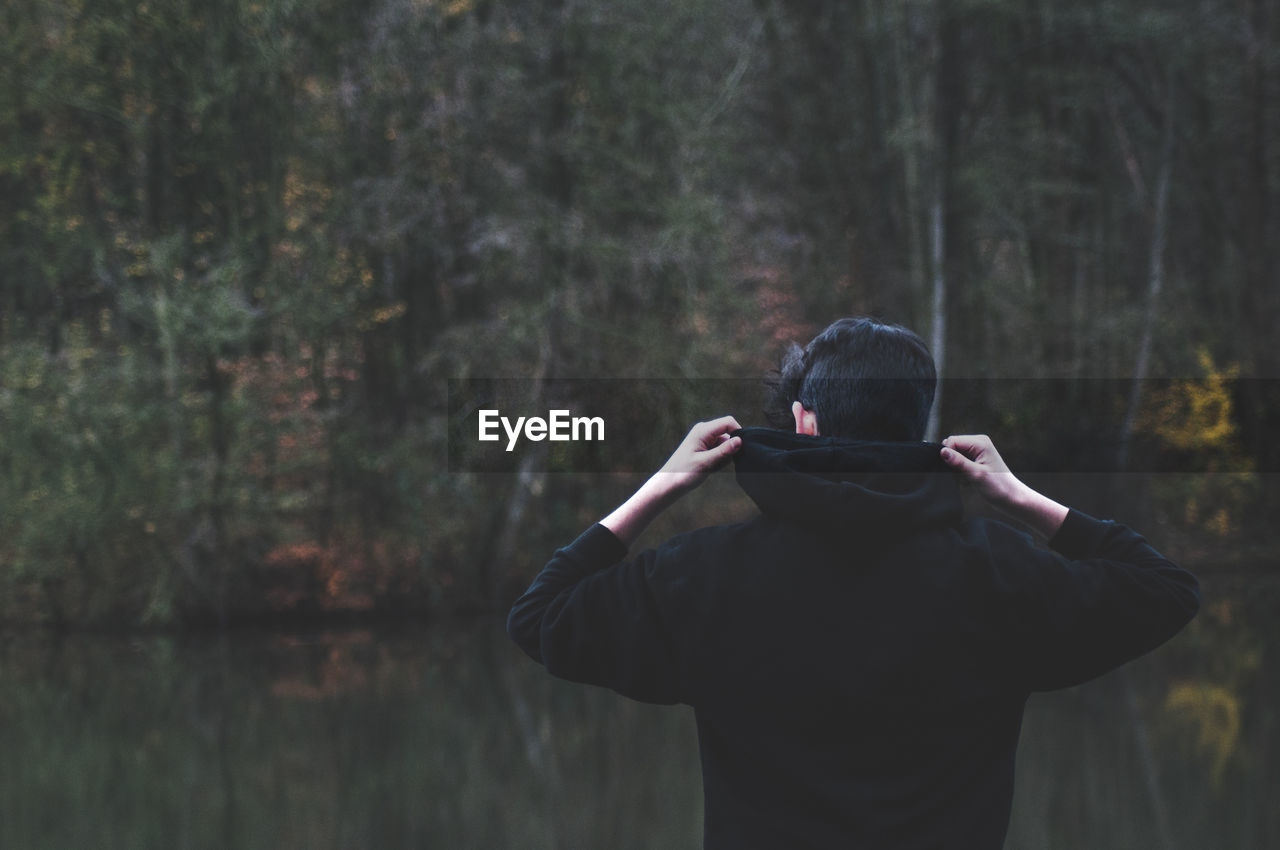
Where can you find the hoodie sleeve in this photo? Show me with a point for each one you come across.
(1103, 597)
(592, 617)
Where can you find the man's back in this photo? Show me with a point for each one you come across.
(847, 698)
(858, 656)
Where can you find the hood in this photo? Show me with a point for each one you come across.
(872, 490)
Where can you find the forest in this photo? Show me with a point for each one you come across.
(255, 254)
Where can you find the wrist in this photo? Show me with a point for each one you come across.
(1019, 498)
(663, 487)
(1037, 510)
(634, 515)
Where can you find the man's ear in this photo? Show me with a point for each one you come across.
(806, 420)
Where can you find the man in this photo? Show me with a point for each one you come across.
(858, 655)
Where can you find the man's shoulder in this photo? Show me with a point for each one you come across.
(716, 539)
(705, 556)
(998, 535)
(763, 531)
(762, 540)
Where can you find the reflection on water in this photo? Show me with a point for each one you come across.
(448, 737)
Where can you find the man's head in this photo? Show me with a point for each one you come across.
(859, 379)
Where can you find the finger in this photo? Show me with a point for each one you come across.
(721, 452)
(953, 458)
(707, 435)
(723, 425)
(969, 445)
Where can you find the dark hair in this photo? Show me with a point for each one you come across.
(863, 380)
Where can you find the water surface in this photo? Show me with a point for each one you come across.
(447, 736)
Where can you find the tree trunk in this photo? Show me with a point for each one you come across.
(938, 334)
(947, 105)
(558, 184)
(1155, 280)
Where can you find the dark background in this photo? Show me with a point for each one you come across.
(245, 247)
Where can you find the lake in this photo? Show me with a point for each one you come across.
(448, 737)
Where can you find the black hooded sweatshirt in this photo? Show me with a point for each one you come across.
(858, 656)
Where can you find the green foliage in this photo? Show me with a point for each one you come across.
(243, 245)
(87, 514)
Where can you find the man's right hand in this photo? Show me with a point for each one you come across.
(975, 457)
